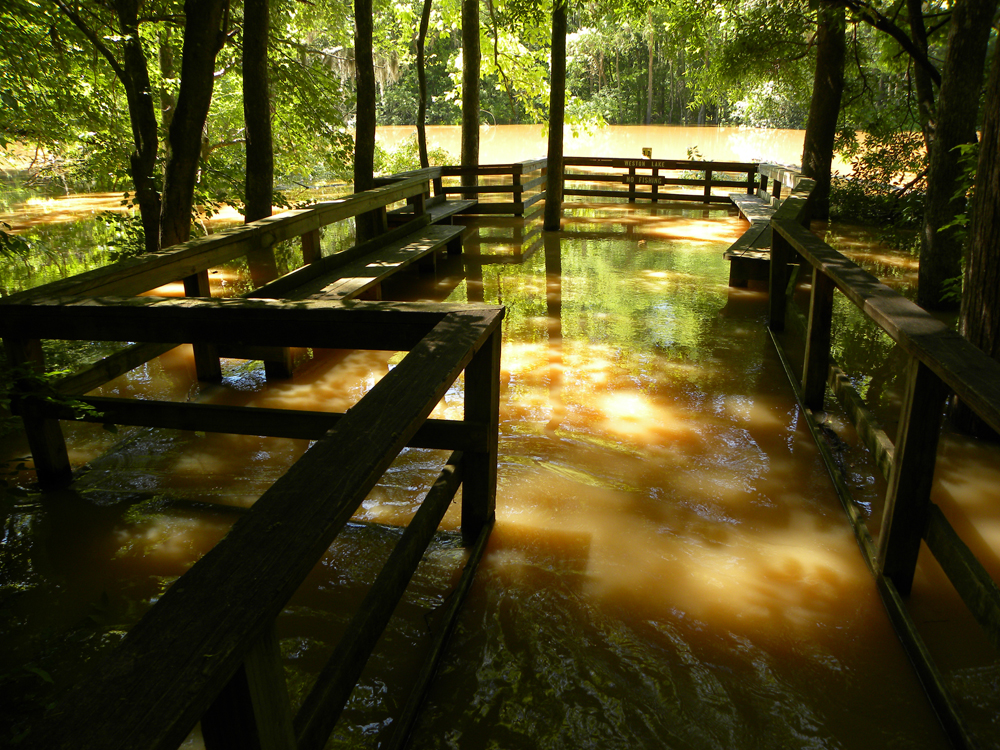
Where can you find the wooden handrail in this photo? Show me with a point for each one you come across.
(940, 360)
(169, 669)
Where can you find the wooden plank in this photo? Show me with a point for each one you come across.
(904, 517)
(977, 589)
(244, 420)
(403, 724)
(392, 326)
(253, 710)
(137, 275)
(356, 277)
(930, 677)
(333, 686)
(672, 164)
(971, 374)
(693, 197)
(436, 212)
(482, 406)
(178, 657)
(752, 208)
(816, 364)
(45, 437)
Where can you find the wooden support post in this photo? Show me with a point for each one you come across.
(206, 356)
(905, 516)
(656, 188)
(45, 437)
(752, 182)
(278, 363)
(708, 186)
(781, 256)
(253, 711)
(631, 185)
(817, 357)
(776, 186)
(482, 406)
(311, 251)
(517, 190)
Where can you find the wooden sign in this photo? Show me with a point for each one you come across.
(643, 179)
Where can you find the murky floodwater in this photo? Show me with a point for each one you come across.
(669, 568)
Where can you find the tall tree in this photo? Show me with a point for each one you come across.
(828, 86)
(364, 138)
(425, 19)
(206, 25)
(954, 125)
(471, 61)
(257, 110)
(981, 300)
(557, 109)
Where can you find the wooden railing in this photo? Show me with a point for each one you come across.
(207, 650)
(940, 363)
(526, 186)
(189, 262)
(644, 178)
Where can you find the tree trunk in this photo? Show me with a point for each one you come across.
(828, 85)
(649, 81)
(921, 77)
(981, 300)
(958, 106)
(425, 19)
(257, 111)
(471, 60)
(364, 134)
(204, 36)
(557, 111)
(142, 114)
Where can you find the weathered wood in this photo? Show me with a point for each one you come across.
(289, 284)
(174, 662)
(392, 326)
(138, 275)
(930, 677)
(904, 517)
(816, 364)
(977, 589)
(244, 420)
(781, 255)
(973, 376)
(668, 164)
(253, 711)
(311, 251)
(752, 208)
(206, 353)
(686, 197)
(437, 212)
(482, 406)
(45, 437)
(354, 278)
(333, 686)
(403, 724)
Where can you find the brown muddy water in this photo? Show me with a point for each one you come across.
(670, 566)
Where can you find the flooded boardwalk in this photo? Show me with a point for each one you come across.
(670, 565)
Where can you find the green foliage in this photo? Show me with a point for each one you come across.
(406, 157)
(12, 245)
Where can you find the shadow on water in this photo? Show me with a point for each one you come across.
(670, 566)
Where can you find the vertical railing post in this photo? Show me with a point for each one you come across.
(655, 189)
(776, 179)
(752, 182)
(263, 269)
(905, 515)
(253, 710)
(482, 407)
(781, 256)
(708, 186)
(206, 356)
(517, 190)
(311, 250)
(631, 185)
(45, 437)
(817, 356)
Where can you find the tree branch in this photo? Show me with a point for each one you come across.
(73, 16)
(876, 20)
